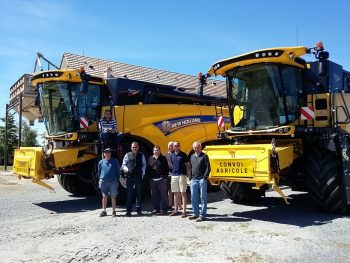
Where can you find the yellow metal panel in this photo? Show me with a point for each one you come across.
(342, 107)
(193, 128)
(246, 163)
(27, 162)
(70, 75)
(243, 61)
(285, 156)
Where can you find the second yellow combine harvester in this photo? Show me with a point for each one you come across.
(290, 124)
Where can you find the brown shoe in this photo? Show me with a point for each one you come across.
(192, 217)
(174, 214)
(200, 219)
(183, 215)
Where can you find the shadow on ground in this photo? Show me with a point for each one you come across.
(299, 212)
(78, 204)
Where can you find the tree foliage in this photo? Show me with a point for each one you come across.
(12, 137)
(28, 135)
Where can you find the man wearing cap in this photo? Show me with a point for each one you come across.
(108, 174)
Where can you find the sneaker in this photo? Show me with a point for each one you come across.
(114, 214)
(192, 217)
(103, 213)
(128, 214)
(139, 213)
(183, 215)
(200, 219)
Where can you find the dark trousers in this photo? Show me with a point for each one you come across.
(159, 194)
(109, 140)
(130, 183)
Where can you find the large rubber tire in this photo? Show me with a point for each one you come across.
(324, 181)
(242, 193)
(74, 185)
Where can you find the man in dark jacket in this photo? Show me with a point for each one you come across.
(199, 173)
(134, 166)
(158, 171)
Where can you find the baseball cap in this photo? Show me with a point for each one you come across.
(107, 150)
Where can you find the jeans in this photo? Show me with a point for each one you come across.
(130, 183)
(159, 194)
(199, 189)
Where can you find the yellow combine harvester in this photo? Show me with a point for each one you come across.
(72, 104)
(290, 124)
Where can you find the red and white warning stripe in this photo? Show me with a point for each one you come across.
(307, 113)
(221, 122)
(84, 122)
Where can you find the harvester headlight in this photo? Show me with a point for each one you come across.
(276, 53)
(263, 54)
(286, 130)
(269, 54)
(257, 55)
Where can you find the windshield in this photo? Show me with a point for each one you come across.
(63, 105)
(265, 94)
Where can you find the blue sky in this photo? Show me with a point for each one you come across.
(179, 36)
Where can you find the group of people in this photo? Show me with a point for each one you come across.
(168, 176)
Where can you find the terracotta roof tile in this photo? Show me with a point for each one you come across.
(123, 70)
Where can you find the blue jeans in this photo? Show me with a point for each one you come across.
(199, 189)
(130, 183)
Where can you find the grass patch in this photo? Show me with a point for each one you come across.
(243, 225)
(186, 254)
(9, 168)
(205, 227)
(275, 234)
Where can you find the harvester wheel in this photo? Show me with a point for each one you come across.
(325, 181)
(74, 185)
(241, 193)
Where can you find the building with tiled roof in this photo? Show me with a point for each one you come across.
(105, 68)
(100, 67)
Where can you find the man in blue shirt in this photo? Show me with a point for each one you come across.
(108, 174)
(180, 169)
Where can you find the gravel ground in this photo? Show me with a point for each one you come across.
(39, 226)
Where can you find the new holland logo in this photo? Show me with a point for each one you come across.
(171, 125)
(168, 126)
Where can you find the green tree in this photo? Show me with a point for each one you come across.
(12, 137)
(28, 135)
